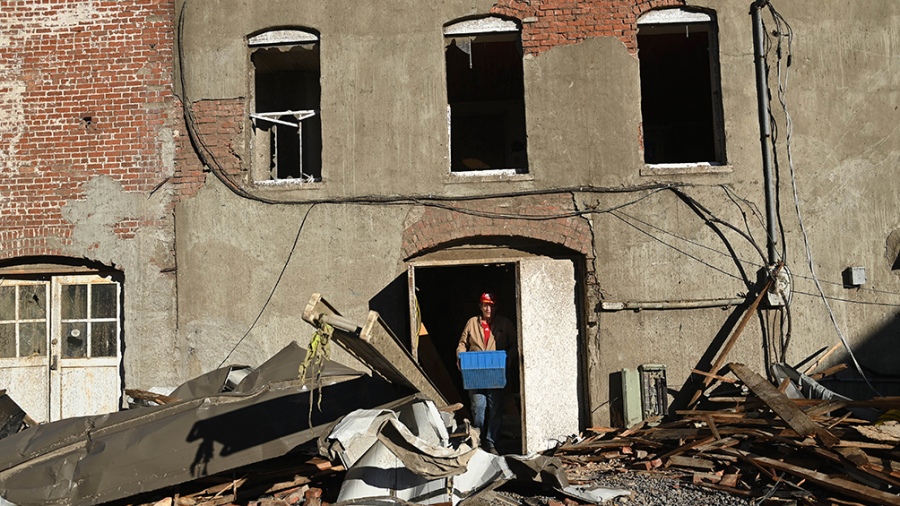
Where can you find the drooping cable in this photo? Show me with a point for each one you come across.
(287, 261)
(783, 31)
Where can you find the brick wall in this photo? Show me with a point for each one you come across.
(550, 23)
(438, 227)
(85, 90)
(219, 125)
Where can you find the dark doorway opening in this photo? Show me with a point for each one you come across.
(447, 297)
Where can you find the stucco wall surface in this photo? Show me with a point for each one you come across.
(385, 133)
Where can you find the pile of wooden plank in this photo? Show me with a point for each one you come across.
(282, 481)
(763, 444)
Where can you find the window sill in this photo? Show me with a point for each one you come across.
(289, 184)
(672, 169)
(487, 176)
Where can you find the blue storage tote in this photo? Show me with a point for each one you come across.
(483, 369)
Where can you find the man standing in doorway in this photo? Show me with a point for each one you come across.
(487, 332)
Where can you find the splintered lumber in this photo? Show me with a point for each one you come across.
(782, 406)
(828, 372)
(714, 376)
(376, 346)
(821, 359)
(143, 395)
(690, 462)
(835, 483)
(732, 340)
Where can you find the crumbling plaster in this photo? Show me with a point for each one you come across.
(73, 188)
(384, 132)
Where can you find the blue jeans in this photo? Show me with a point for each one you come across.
(487, 412)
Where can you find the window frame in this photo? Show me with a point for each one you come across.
(675, 17)
(263, 172)
(487, 28)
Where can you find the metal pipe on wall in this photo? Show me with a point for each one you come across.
(765, 127)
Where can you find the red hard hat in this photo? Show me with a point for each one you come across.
(487, 298)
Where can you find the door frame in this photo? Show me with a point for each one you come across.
(580, 394)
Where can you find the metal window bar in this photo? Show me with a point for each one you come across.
(274, 118)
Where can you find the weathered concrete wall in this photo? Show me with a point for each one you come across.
(385, 133)
(88, 129)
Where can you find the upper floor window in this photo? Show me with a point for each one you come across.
(681, 100)
(485, 96)
(287, 129)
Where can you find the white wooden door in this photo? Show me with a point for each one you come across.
(84, 346)
(24, 345)
(549, 330)
(60, 345)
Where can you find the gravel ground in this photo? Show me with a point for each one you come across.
(647, 489)
(655, 489)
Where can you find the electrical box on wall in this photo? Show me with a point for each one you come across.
(632, 412)
(854, 276)
(654, 394)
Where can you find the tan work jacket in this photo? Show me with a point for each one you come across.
(503, 336)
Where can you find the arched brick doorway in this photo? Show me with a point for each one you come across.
(540, 287)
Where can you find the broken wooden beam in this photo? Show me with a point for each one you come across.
(376, 346)
(732, 340)
(782, 406)
(834, 483)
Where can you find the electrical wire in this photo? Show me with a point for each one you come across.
(274, 287)
(685, 253)
(784, 30)
(620, 214)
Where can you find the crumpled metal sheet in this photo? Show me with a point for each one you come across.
(425, 452)
(410, 461)
(89, 460)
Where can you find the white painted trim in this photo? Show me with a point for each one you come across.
(673, 16)
(481, 25)
(282, 37)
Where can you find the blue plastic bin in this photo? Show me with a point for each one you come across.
(483, 369)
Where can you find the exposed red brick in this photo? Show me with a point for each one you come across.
(85, 91)
(550, 23)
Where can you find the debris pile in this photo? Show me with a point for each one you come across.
(761, 445)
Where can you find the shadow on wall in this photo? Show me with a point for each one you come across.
(392, 304)
(877, 356)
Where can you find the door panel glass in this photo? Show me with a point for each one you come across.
(74, 302)
(74, 341)
(103, 339)
(7, 340)
(103, 301)
(32, 302)
(7, 303)
(32, 339)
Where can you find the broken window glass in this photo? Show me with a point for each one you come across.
(485, 95)
(74, 302)
(680, 91)
(32, 302)
(287, 141)
(74, 339)
(7, 340)
(104, 300)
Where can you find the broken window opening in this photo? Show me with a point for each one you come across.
(285, 117)
(681, 104)
(485, 96)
